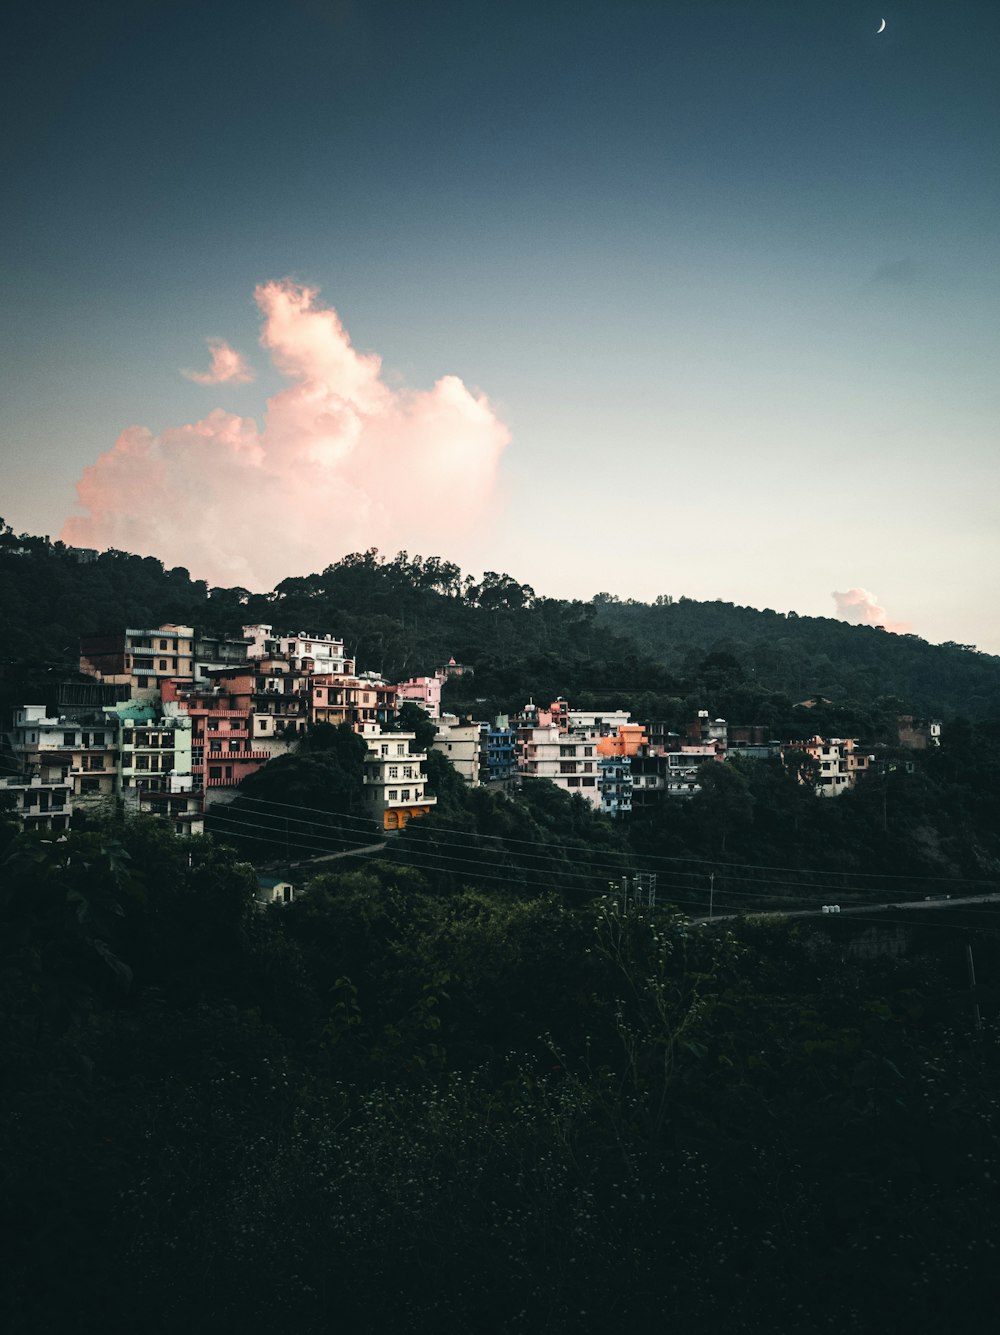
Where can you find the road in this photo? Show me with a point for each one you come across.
(938, 902)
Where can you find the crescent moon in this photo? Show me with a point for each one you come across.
(882, 29)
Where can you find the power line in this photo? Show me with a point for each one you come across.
(652, 857)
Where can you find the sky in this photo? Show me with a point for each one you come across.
(659, 298)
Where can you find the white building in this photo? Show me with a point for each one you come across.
(395, 778)
(567, 760)
(84, 752)
(604, 722)
(462, 743)
(305, 652)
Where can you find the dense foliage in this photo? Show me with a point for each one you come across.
(409, 614)
(397, 1106)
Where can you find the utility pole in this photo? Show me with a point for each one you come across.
(711, 894)
(977, 1019)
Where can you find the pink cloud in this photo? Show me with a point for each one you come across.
(228, 366)
(341, 462)
(861, 608)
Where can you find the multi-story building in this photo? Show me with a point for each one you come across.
(395, 778)
(142, 659)
(604, 722)
(355, 701)
(155, 750)
(82, 749)
(302, 651)
(839, 762)
(708, 730)
(40, 800)
(224, 750)
(615, 782)
(752, 741)
(657, 775)
(461, 741)
(567, 760)
(422, 691)
(218, 653)
(498, 743)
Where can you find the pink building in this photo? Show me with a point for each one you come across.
(423, 691)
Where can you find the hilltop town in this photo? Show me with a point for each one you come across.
(173, 720)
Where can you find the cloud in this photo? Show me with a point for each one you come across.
(861, 608)
(228, 366)
(342, 462)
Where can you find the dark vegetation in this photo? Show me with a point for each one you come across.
(396, 1105)
(458, 1088)
(407, 615)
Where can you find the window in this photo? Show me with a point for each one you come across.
(393, 771)
(88, 786)
(400, 749)
(588, 750)
(407, 771)
(588, 783)
(215, 747)
(68, 738)
(163, 665)
(405, 795)
(384, 749)
(215, 771)
(234, 746)
(573, 783)
(393, 795)
(142, 682)
(567, 767)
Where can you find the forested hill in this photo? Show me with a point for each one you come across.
(407, 615)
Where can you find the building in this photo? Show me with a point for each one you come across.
(422, 691)
(839, 762)
(355, 701)
(567, 760)
(498, 744)
(225, 747)
(155, 772)
(302, 651)
(461, 742)
(42, 800)
(140, 659)
(614, 782)
(395, 778)
(216, 653)
(271, 890)
(918, 734)
(83, 750)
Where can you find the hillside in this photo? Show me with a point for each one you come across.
(406, 615)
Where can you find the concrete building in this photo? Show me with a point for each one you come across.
(603, 722)
(395, 778)
(142, 659)
(615, 783)
(498, 743)
(422, 691)
(461, 741)
(218, 653)
(42, 800)
(356, 701)
(224, 748)
(302, 651)
(84, 750)
(840, 762)
(918, 734)
(567, 760)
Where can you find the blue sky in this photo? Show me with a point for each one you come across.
(726, 272)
